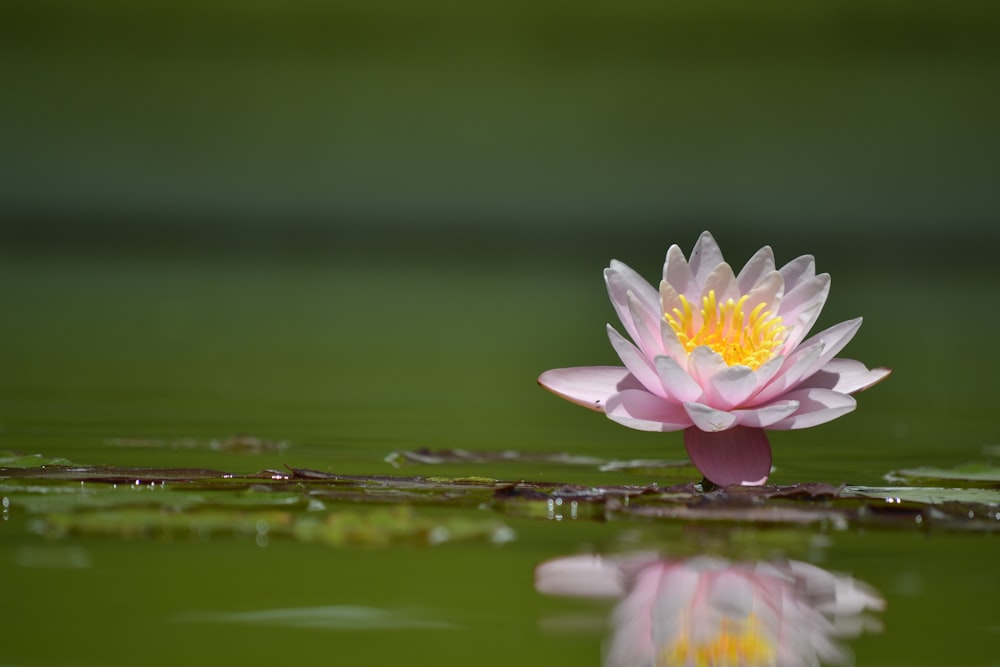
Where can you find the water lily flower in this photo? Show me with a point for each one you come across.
(707, 611)
(721, 356)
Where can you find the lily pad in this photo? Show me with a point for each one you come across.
(972, 474)
(16, 460)
(927, 495)
(342, 510)
(241, 443)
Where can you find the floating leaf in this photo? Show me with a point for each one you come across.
(974, 474)
(241, 443)
(15, 460)
(426, 456)
(926, 495)
(338, 509)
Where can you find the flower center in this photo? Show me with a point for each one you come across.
(741, 339)
(738, 642)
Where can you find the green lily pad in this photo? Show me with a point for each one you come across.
(15, 460)
(343, 510)
(973, 474)
(927, 495)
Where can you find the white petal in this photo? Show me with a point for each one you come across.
(801, 305)
(589, 386)
(767, 370)
(758, 266)
(621, 280)
(677, 272)
(638, 409)
(672, 346)
(723, 282)
(647, 326)
(845, 376)
(675, 380)
(669, 299)
(833, 340)
(730, 387)
(796, 367)
(709, 419)
(766, 415)
(797, 270)
(705, 256)
(635, 361)
(703, 363)
(769, 290)
(816, 406)
(632, 281)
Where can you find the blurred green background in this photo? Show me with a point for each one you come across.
(309, 125)
(357, 222)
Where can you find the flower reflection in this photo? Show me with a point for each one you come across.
(721, 356)
(710, 612)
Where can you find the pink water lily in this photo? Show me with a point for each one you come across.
(721, 356)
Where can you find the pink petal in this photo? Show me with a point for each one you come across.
(797, 270)
(630, 280)
(672, 346)
(739, 455)
(703, 363)
(677, 272)
(621, 280)
(638, 409)
(758, 266)
(647, 326)
(767, 370)
(765, 415)
(589, 386)
(637, 363)
(768, 290)
(795, 368)
(723, 282)
(588, 576)
(833, 339)
(801, 305)
(813, 355)
(816, 406)
(675, 380)
(707, 418)
(705, 256)
(845, 376)
(669, 298)
(730, 387)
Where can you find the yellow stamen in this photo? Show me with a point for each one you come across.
(739, 642)
(741, 339)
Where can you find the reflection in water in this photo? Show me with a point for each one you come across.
(707, 611)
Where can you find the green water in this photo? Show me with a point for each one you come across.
(349, 360)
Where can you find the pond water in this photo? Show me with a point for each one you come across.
(118, 364)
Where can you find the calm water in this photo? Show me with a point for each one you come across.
(349, 361)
